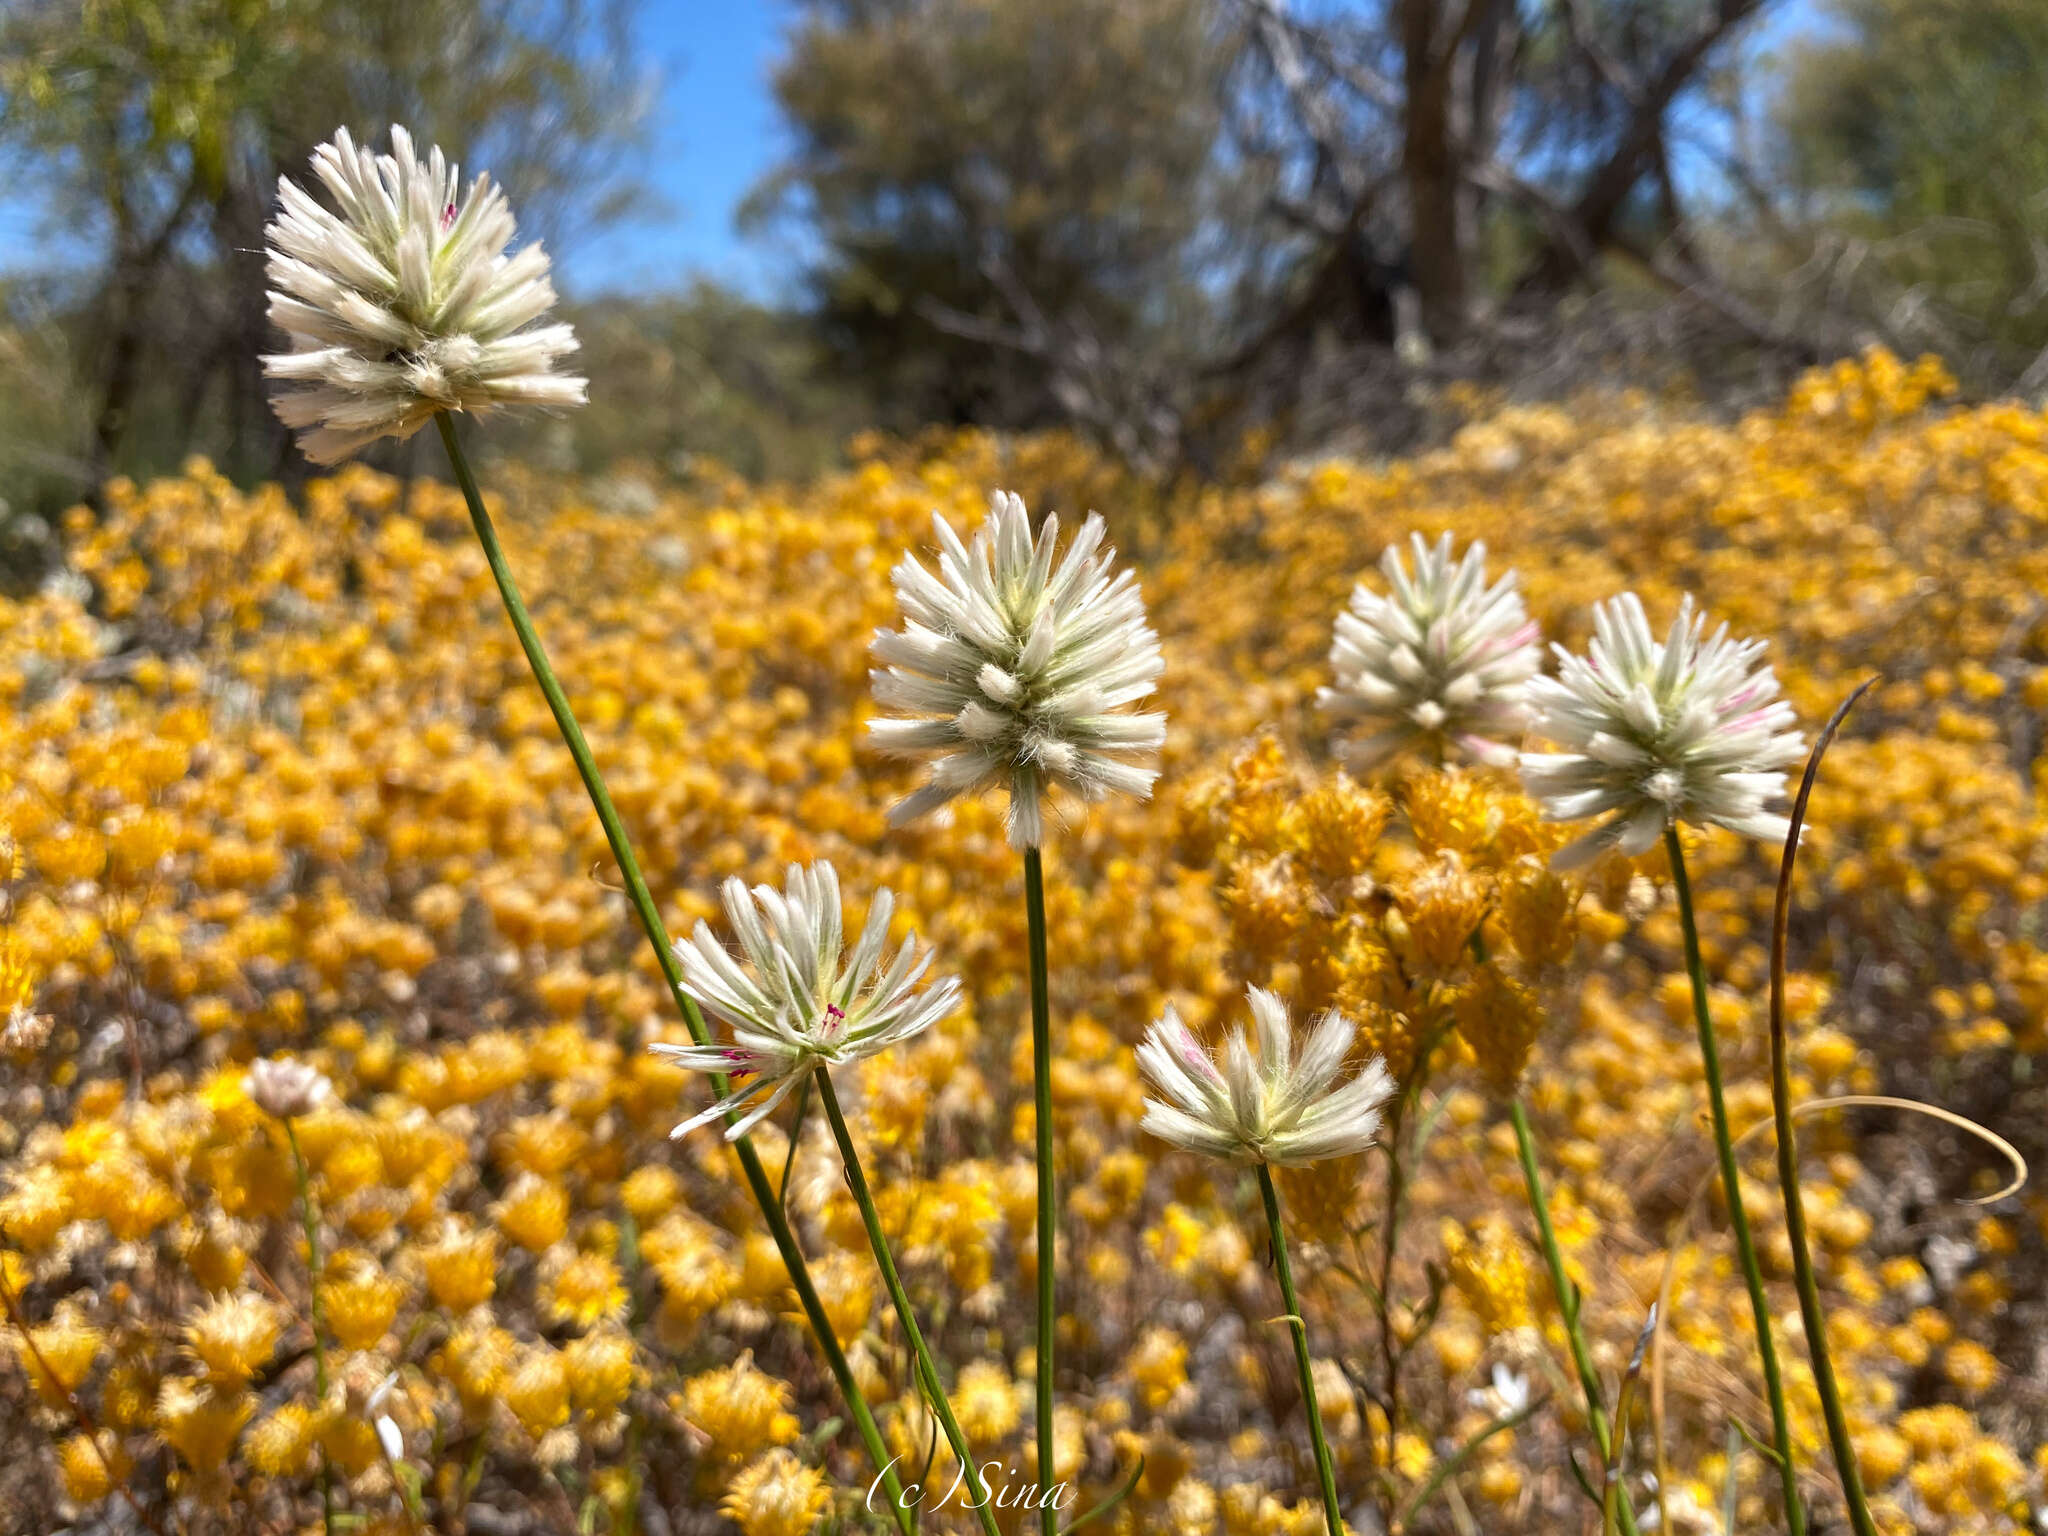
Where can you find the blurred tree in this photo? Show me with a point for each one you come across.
(1170, 219)
(155, 131)
(1914, 148)
(709, 373)
(1013, 201)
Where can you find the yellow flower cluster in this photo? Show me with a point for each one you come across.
(281, 785)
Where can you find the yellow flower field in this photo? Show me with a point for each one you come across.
(276, 781)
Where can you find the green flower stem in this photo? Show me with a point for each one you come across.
(1810, 1312)
(764, 1191)
(927, 1367)
(1048, 1192)
(1567, 1298)
(1325, 1471)
(312, 1226)
(1738, 1218)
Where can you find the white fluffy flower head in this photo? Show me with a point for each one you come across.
(1691, 729)
(1012, 672)
(1442, 660)
(799, 1003)
(404, 302)
(1275, 1108)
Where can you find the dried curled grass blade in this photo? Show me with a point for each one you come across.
(1812, 1314)
(1123, 1491)
(1612, 1493)
(1681, 1229)
(1453, 1464)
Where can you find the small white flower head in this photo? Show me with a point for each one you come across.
(798, 1004)
(1011, 672)
(404, 303)
(1690, 730)
(1440, 661)
(286, 1088)
(389, 1436)
(1506, 1396)
(1273, 1108)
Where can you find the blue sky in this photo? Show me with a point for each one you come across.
(715, 132)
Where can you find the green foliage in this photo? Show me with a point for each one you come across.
(155, 131)
(994, 183)
(1920, 127)
(708, 374)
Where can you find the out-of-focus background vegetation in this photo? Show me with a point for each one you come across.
(1187, 227)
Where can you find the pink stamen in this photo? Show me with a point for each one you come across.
(447, 218)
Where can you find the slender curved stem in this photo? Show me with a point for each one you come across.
(1325, 1471)
(1810, 1312)
(758, 1182)
(312, 1228)
(1568, 1297)
(1048, 1191)
(1383, 1298)
(927, 1367)
(1731, 1184)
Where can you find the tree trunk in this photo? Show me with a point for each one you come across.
(1430, 166)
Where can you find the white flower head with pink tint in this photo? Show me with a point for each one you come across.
(798, 1004)
(402, 301)
(1276, 1107)
(1439, 663)
(1690, 730)
(1014, 672)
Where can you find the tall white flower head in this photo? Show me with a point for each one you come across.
(1273, 1108)
(404, 302)
(1441, 660)
(798, 1003)
(1011, 672)
(1691, 729)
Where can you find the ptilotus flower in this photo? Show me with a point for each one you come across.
(1654, 734)
(1273, 1108)
(799, 1004)
(404, 302)
(1011, 671)
(1440, 661)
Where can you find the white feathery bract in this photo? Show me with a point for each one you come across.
(1011, 673)
(1275, 1107)
(1442, 660)
(1691, 730)
(404, 302)
(799, 1003)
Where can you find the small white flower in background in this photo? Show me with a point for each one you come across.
(1654, 734)
(404, 302)
(389, 1436)
(799, 1004)
(1010, 672)
(286, 1088)
(1506, 1396)
(1440, 661)
(1273, 1108)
